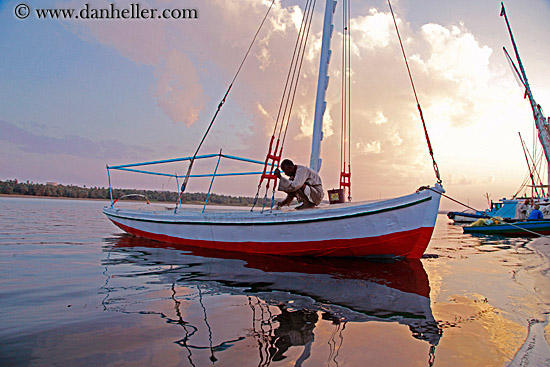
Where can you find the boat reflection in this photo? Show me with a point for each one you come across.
(287, 296)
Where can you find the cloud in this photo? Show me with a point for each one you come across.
(371, 147)
(307, 121)
(380, 118)
(459, 66)
(463, 179)
(396, 140)
(72, 145)
(179, 93)
(187, 55)
(374, 31)
(193, 62)
(456, 55)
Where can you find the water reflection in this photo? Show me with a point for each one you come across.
(287, 298)
(450, 241)
(489, 239)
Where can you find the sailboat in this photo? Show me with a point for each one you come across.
(507, 208)
(396, 227)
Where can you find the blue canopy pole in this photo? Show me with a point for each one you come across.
(178, 186)
(211, 182)
(110, 189)
(244, 159)
(163, 161)
(141, 171)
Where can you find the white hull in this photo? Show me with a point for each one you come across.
(398, 227)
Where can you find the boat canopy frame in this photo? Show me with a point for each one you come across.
(130, 168)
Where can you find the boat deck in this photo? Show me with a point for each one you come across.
(157, 207)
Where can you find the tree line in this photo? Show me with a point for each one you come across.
(14, 187)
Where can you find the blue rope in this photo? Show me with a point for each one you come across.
(110, 188)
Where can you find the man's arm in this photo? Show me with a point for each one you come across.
(296, 184)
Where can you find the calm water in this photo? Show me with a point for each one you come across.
(75, 291)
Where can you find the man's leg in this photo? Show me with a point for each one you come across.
(289, 197)
(301, 196)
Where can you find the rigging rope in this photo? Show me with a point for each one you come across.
(280, 128)
(345, 135)
(532, 177)
(436, 169)
(291, 75)
(534, 167)
(184, 185)
(303, 44)
(469, 207)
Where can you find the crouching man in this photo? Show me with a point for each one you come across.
(303, 183)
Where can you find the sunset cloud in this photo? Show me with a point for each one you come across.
(168, 77)
(450, 66)
(380, 118)
(371, 147)
(375, 30)
(30, 142)
(179, 92)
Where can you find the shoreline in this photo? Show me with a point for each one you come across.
(541, 245)
(49, 197)
(19, 196)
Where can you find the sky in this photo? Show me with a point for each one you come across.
(79, 94)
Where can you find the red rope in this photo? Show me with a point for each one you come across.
(436, 169)
(273, 156)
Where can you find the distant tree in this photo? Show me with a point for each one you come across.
(14, 187)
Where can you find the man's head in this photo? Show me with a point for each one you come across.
(288, 167)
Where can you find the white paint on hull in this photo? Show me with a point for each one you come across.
(340, 221)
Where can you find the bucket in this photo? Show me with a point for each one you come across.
(336, 196)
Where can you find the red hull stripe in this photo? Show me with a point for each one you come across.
(410, 244)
